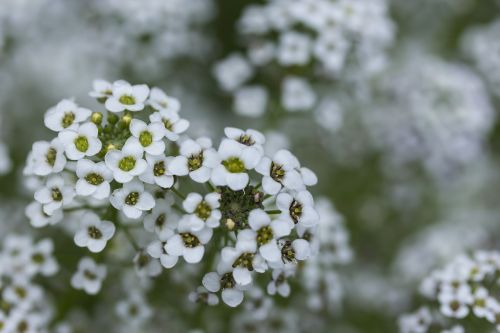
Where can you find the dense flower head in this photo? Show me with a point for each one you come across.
(302, 41)
(24, 306)
(466, 287)
(132, 165)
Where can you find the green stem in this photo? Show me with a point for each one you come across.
(273, 212)
(179, 194)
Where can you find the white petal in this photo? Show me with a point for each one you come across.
(211, 281)
(194, 255)
(242, 276)
(270, 251)
(232, 297)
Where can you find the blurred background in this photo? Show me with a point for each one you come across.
(402, 131)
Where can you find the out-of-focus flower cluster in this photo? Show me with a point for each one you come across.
(24, 306)
(288, 46)
(468, 286)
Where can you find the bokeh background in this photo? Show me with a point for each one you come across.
(409, 155)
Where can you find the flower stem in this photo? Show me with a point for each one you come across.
(179, 194)
(273, 212)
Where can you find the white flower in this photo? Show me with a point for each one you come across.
(294, 49)
(65, 115)
(197, 160)
(455, 304)
(203, 210)
(280, 171)
(146, 266)
(251, 101)
(38, 218)
(126, 163)
(297, 208)
(89, 276)
(202, 295)
(148, 137)
(157, 250)
(242, 259)
(297, 94)
(132, 199)
(188, 243)
(94, 233)
(102, 89)
(331, 49)
(93, 179)
(266, 232)
(279, 284)
(42, 259)
(157, 171)
(173, 123)
(54, 195)
(249, 139)
(81, 142)
(232, 292)
(21, 291)
(47, 158)
(161, 101)
(235, 162)
(479, 307)
(134, 311)
(232, 72)
(298, 249)
(162, 220)
(127, 97)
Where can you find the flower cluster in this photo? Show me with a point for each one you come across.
(23, 303)
(466, 287)
(114, 169)
(442, 124)
(288, 44)
(481, 46)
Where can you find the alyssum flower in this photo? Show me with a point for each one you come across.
(236, 210)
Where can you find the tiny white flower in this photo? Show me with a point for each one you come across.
(298, 249)
(65, 115)
(42, 259)
(146, 266)
(81, 142)
(479, 307)
(127, 97)
(197, 160)
(54, 194)
(102, 90)
(93, 179)
(454, 304)
(298, 208)
(161, 101)
(294, 49)
(202, 295)
(47, 158)
(188, 243)
(242, 259)
(232, 72)
(132, 199)
(94, 233)
(331, 49)
(280, 171)
(266, 232)
(162, 220)
(249, 139)
(173, 123)
(235, 162)
(279, 283)
(297, 94)
(38, 218)
(89, 276)
(251, 101)
(134, 310)
(157, 171)
(156, 249)
(203, 211)
(22, 291)
(232, 292)
(126, 163)
(149, 137)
